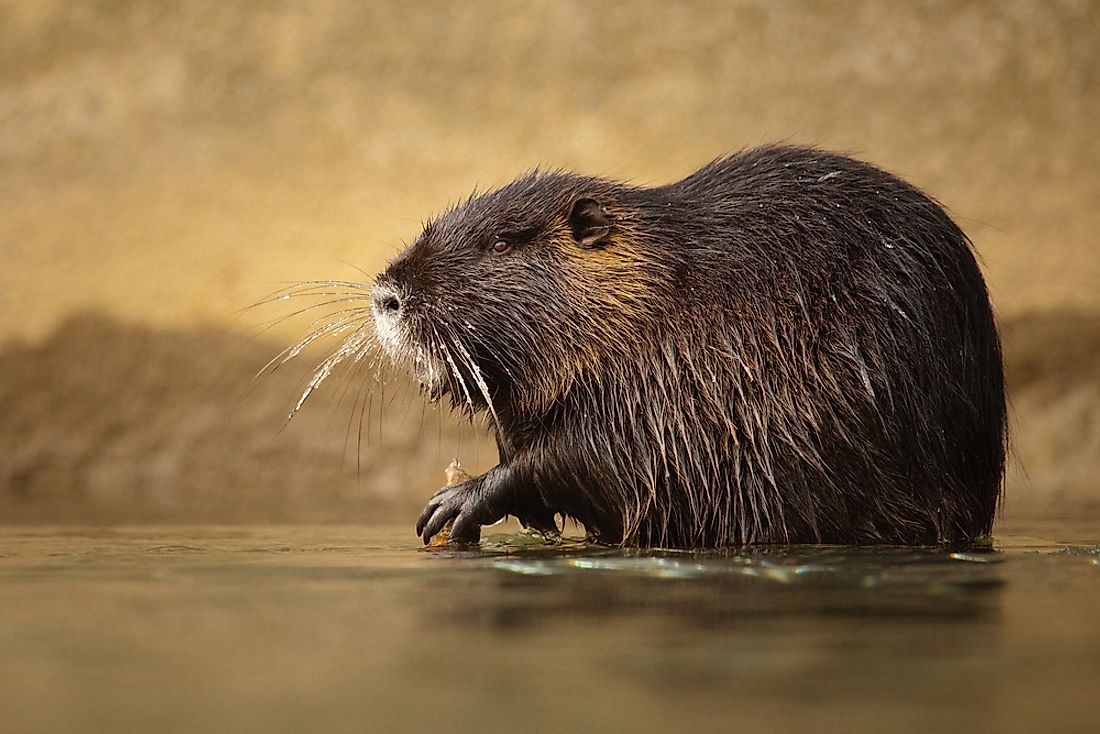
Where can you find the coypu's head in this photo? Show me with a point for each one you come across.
(508, 298)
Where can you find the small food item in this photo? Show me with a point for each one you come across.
(455, 475)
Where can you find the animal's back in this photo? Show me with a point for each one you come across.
(846, 330)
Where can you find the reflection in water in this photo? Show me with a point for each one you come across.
(357, 629)
(676, 593)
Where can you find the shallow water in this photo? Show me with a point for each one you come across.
(322, 628)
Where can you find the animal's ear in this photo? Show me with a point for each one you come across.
(590, 223)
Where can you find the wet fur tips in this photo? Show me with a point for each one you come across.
(787, 346)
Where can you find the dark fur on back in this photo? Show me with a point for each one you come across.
(787, 346)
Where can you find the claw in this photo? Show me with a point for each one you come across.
(445, 505)
(438, 519)
(469, 504)
(429, 510)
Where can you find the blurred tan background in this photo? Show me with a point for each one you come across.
(163, 165)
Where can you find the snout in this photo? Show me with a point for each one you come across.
(398, 329)
(386, 299)
(387, 304)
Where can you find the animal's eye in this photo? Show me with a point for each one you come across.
(501, 246)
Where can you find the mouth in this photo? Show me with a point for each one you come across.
(431, 373)
(428, 369)
(441, 365)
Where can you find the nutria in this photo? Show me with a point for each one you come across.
(787, 346)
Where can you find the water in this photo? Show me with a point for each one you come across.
(321, 628)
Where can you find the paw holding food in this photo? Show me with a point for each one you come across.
(456, 475)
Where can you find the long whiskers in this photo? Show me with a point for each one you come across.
(354, 345)
(332, 328)
(351, 321)
(455, 371)
(338, 291)
(480, 380)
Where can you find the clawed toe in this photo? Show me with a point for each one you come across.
(460, 503)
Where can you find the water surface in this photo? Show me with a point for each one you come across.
(323, 628)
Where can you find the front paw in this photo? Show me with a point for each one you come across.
(467, 504)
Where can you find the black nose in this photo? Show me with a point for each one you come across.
(386, 299)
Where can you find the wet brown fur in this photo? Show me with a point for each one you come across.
(787, 346)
